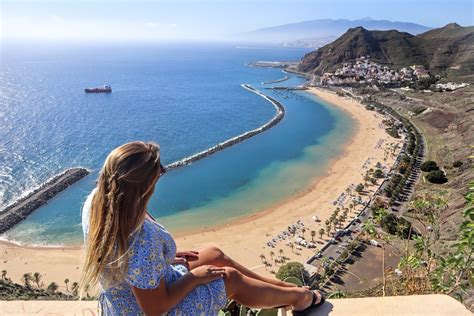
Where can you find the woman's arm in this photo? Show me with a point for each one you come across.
(161, 299)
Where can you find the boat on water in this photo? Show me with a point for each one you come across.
(104, 89)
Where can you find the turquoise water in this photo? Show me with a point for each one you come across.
(185, 97)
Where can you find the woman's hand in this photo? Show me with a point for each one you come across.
(183, 257)
(188, 255)
(207, 273)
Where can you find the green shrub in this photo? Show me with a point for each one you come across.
(436, 176)
(429, 165)
(291, 269)
(457, 164)
(378, 173)
(396, 225)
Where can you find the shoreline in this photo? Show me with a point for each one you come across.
(244, 238)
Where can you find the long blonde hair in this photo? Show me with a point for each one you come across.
(126, 183)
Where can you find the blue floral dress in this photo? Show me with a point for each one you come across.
(152, 251)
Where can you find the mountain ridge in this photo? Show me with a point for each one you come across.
(451, 46)
(320, 28)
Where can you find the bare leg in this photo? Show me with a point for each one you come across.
(216, 257)
(258, 294)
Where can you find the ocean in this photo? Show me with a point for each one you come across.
(187, 98)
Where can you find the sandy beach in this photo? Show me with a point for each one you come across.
(246, 239)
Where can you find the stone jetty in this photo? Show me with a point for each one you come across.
(276, 80)
(21, 208)
(280, 113)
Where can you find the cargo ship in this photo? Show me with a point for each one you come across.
(104, 89)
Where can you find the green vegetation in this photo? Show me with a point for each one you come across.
(393, 225)
(393, 131)
(436, 176)
(291, 269)
(427, 264)
(34, 289)
(429, 165)
(457, 164)
(378, 173)
(454, 271)
(359, 188)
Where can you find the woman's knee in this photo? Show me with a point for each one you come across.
(214, 253)
(232, 275)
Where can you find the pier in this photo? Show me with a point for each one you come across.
(21, 208)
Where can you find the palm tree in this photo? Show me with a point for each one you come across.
(75, 288)
(37, 278)
(328, 229)
(321, 233)
(4, 275)
(313, 233)
(262, 257)
(52, 287)
(336, 223)
(26, 278)
(292, 246)
(303, 230)
(281, 252)
(342, 218)
(66, 281)
(86, 290)
(271, 254)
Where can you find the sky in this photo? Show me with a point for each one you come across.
(203, 19)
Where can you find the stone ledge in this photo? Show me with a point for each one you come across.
(433, 305)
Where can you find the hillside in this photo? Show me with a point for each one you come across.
(316, 30)
(450, 48)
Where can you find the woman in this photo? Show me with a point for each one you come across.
(134, 259)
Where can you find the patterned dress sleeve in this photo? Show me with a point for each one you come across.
(146, 264)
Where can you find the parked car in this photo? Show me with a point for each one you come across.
(374, 242)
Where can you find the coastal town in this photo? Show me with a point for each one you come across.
(363, 71)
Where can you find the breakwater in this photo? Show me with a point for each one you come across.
(280, 113)
(21, 208)
(287, 88)
(277, 80)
